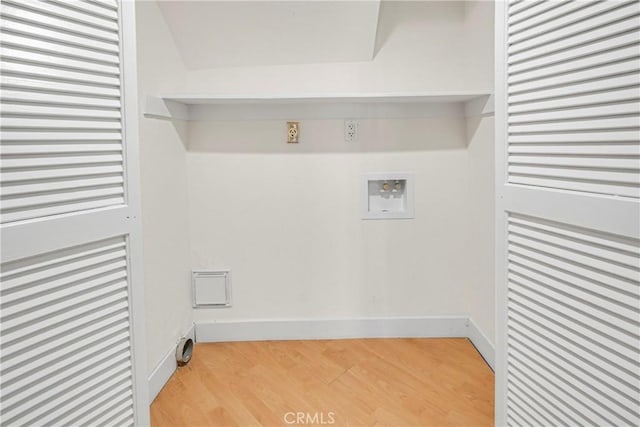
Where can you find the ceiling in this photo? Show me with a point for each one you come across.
(215, 33)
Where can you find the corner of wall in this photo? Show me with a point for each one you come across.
(482, 343)
(166, 367)
(163, 179)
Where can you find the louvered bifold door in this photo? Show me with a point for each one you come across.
(568, 217)
(70, 298)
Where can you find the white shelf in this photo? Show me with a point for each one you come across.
(411, 97)
(319, 106)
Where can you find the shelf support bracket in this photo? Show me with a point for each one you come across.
(159, 108)
(482, 106)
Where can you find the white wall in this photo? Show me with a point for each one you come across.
(480, 296)
(480, 134)
(289, 225)
(286, 218)
(164, 183)
(245, 33)
(421, 46)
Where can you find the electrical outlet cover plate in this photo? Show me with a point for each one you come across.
(350, 130)
(293, 132)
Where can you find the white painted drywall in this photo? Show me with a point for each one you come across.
(163, 183)
(233, 33)
(286, 218)
(289, 224)
(480, 296)
(420, 46)
(480, 135)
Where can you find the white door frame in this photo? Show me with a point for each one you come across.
(132, 171)
(500, 115)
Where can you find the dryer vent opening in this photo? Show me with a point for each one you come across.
(184, 351)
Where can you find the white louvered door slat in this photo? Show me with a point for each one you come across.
(578, 72)
(60, 88)
(548, 11)
(51, 367)
(579, 88)
(568, 224)
(600, 385)
(69, 101)
(582, 67)
(36, 13)
(19, 40)
(82, 17)
(46, 71)
(29, 112)
(585, 25)
(59, 137)
(576, 138)
(62, 112)
(88, 8)
(67, 388)
(32, 56)
(69, 199)
(579, 149)
(13, 26)
(16, 177)
(69, 339)
(44, 305)
(62, 124)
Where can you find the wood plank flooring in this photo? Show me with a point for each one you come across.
(372, 382)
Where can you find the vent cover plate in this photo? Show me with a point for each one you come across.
(211, 288)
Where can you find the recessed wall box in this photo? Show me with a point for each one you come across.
(211, 288)
(387, 196)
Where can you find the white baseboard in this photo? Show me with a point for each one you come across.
(297, 329)
(165, 368)
(482, 343)
(392, 327)
(290, 329)
(162, 373)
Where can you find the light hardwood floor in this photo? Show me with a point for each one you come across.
(373, 382)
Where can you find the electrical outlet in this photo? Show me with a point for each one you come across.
(293, 132)
(350, 130)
